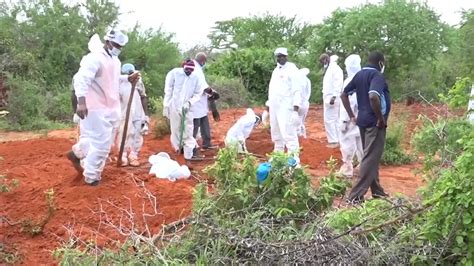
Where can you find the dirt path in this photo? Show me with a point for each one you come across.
(38, 161)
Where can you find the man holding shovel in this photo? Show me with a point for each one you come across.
(182, 90)
(98, 104)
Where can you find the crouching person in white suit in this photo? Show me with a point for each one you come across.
(240, 131)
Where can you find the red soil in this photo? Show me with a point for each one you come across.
(40, 164)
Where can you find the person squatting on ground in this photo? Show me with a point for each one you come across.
(374, 104)
(200, 110)
(240, 131)
(332, 87)
(138, 123)
(183, 89)
(306, 94)
(98, 104)
(349, 137)
(284, 101)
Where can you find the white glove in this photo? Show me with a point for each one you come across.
(76, 119)
(186, 107)
(295, 119)
(144, 130)
(166, 112)
(264, 117)
(145, 126)
(344, 126)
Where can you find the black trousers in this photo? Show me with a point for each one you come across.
(203, 124)
(373, 141)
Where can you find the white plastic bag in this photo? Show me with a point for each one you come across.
(164, 167)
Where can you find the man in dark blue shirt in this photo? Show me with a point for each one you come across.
(373, 100)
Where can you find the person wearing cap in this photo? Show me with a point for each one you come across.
(349, 138)
(138, 122)
(284, 102)
(306, 94)
(200, 110)
(240, 131)
(98, 104)
(332, 87)
(183, 89)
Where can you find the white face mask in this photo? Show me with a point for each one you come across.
(326, 66)
(115, 51)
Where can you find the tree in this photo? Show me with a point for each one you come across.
(154, 53)
(253, 66)
(260, 31)
(406, 32)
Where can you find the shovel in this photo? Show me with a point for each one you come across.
(125, 127)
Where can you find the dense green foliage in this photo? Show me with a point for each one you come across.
(424, 55)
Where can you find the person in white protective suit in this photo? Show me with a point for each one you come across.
(182, 90)
(470, 107)
(306, 94)
(98, 104)
(138, 122)
(200, 110)
(240, 131)
(349, 138)
(284, 101)
(332, 88)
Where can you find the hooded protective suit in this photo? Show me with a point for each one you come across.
(182, 91)
(200, 109)
(470, 107)
(137, 120)
(306, 94)
(241, 130)
(285, 92)
(332, 87)
(350, 141)
(97, 80)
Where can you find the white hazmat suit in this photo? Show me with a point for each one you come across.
(201, 108)
(470, 107)
(98, 80)
(306, 94)
(332, 87)
(283, 94)
(350, 141)
(181, 91)
(136, 122)
(240, 131)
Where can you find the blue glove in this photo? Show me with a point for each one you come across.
(263, 170)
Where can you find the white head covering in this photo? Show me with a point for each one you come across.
(281, 50)
(95, 44)
(304, 71)
(352, 63)
(117, 37)
(333, 58)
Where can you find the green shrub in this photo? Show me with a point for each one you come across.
(161, 125)
(393, 153)
(231, 91)
(440, 141)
